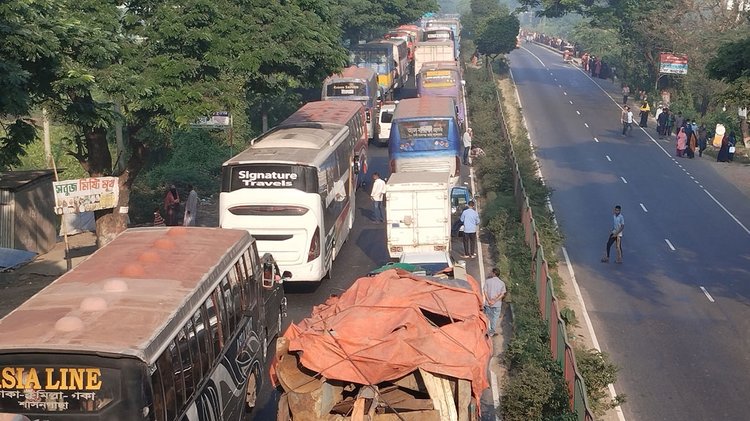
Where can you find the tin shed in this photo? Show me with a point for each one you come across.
(27, 216)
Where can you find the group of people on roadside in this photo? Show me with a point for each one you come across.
(171, 207)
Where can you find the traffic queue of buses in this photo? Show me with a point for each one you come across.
(173, 323)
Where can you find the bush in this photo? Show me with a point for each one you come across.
(598, 372)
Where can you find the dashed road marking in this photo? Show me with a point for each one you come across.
(644, 208)
(670, 244)
(624, 180)
(705, 292)
(571, 102)
(578, 112)
(565, 93)
(586, 124)
(608, 158)
(596, 140)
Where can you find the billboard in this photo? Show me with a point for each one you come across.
(218, 120)
(676, 64)
(85, 195)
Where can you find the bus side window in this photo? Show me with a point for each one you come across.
(185, 363)
(195, 353)
(251, 282)
(221, 310)
(204, 344)
(212, 313)
(165, 370)
(236, 280)
(179, 382)
(226, 290)
(157, 391)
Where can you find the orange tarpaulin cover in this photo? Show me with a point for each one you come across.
(387, 326)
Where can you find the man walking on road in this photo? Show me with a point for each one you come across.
(615, 235)
(470, 219)
(378, 190)
(494, 292)
(626, 118)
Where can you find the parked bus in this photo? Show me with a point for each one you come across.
(425, 136)
(378, 57)
(161, 324)
(357, 84)
(442, 79)
(293, 188)
(400, 56)
(407, 37)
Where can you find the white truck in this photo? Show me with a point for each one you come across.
(418, 212)
(428, 51)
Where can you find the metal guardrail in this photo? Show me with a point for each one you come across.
(562, 352)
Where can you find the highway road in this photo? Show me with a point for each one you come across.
(675, 316)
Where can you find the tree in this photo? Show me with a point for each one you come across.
(731, 64)
(498, 35)
(368, 19)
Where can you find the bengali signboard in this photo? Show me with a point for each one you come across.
(85, 194)
(676, 64)
(218, 120)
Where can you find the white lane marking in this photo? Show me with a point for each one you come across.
(624, 180)
(670, 244)
(589, 325)
(559, 86)
(644, 208)
(586, 124)
(608, 158)
(578, 112)
(727, 211)
(565, 93)
(550, 73)
(710, 298)
(571, 102)
(555, 79)
(596, 140)
(495, 393)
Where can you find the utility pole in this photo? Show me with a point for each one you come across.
(46, 137)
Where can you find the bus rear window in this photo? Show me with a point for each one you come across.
(38, 389)
(269, 176)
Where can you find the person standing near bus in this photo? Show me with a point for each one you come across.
(378, 190)
(470, 219)
(191, 207)
(467, 144)
(172, 205)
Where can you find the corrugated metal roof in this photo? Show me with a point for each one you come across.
(13, 180)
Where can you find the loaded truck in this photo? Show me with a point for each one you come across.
(430, 51)
(418, 212)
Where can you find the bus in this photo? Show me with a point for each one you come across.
(407, 37)
(378, 57)
(400, 57)
(161, 324)
(357, 84)
(294, 187)
(434, 34)
(425, 136)
(442, 79)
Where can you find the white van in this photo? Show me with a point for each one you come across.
(385, 117)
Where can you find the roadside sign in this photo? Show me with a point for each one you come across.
(676, 64)
(85, 194)
(218, 120)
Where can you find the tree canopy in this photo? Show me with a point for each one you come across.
(497, 35)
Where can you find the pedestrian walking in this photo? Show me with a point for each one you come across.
(670, 123)
(171, 205)
(494, 291)
(376, 194)
(625, 93)
(732, 139)
(615, 235)
(692, 143)
(470, 220)
(467, 138)
(661, 122)
(723, 155)
(681, 142)
(702, 139)
(626, 118)
(645, 110)
(191, 207)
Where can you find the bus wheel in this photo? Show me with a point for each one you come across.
(253, 387)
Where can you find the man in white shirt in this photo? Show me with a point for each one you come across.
(494, 291)
(627, 120)
(467, 144)
(615, 235)
(378, 190)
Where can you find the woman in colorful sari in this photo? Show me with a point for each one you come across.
(681, 142)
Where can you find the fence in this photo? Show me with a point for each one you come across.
(548, 303)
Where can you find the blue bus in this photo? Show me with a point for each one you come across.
(425, 136)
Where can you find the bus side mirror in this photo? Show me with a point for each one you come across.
(285, 276)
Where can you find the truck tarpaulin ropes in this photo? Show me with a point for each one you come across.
(293, 188)
(161, 324)
(425, 136)
(356, 84)
(442, 79)
(419, 212)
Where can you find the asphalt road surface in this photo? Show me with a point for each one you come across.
(675, 316)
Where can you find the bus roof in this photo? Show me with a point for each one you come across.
(353, 72)
(437, 107)
(337, 112)
(443, 42)
(439, 65)
(291, 144)
(127, 299)
(371, 46)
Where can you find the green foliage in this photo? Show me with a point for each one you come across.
(498, 35)
(367, 19)
(598, 372)
(569, 316)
